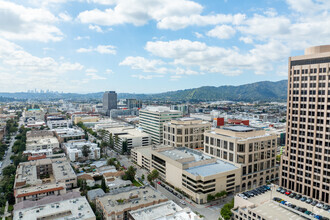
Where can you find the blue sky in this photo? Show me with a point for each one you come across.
(150, 46)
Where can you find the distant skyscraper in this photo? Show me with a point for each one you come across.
(305, 165)
(133, 103)
(109, 101)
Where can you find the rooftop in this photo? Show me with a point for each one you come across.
(239, 128)
(75, 207)
(135, 197)
(182, 152)
(160, 109)
(211, 169)
(164, 211)
(127, 132)
(44, 188)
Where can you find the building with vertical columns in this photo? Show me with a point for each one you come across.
(305, 165)
(185, 132)
(152, 119)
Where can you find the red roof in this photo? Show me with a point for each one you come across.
(36, 157)
(40, 192)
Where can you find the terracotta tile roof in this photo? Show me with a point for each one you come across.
(116, 174)
(40, 192)
(18, 184)
(36, 157)
(86, 177)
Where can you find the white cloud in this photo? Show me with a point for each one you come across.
(139, 76)
(141, 63)
(82, 38)
(65, 16)
(95, 28)
(168, 14)
(103, 2)
(23, 23)
(222, 32)
(102, 49)
(23, 70)
(91, 70)
(94, 76)
(198, 35)
(109, 71)
(246, 40)
(175, 77)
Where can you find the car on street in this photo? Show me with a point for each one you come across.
(182, 202)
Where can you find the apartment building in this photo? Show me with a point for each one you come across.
(305, 165)
(39, 178)
(66, 206)
(185, 132)
(118, 204)
(73, 150)
(67, 134)
(132, 136)
(252, 148)
(193, 172)
(152, 119)
(42, 143)
(59, 123)
(33, 115)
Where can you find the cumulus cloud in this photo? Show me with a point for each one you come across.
(168, 14)
(95, 28)
(222, 32)
(102, 49)
(140, 76)
(141, 63)
(24, 23)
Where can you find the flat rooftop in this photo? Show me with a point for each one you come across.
(75, 208)
(183, 152)
(164, 211)
(129, 199)
(127, 132)
(211, 169)
(239, 128)
(34, 190)
(266, 207)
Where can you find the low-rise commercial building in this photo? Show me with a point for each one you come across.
(74, 150)
(42, 143)
(185, 132)
(117, 205)
(132, 136)
(59, 123)
(33, 115)
(252, 148)
(166, 210)
(67, 134)
(67, 206)
(193, 172)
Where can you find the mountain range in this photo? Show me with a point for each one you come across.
(258, 91)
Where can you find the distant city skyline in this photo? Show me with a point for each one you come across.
(140, 46)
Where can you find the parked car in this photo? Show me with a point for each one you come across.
(182, 202)
(314, 203)
(307, 212)
(303, 199)
(303, 210)
(283, 191)
(309, 201)
(292, 195)
(276, 199)
(298, 196)
(319, 205)
(326, 207)
(287, 193)
(279, 189)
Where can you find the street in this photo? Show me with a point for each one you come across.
(6, 161)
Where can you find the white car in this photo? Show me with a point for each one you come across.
(242, 196)
(182, 202)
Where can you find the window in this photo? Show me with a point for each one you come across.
(241, 147)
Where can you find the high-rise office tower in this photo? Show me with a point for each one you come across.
(305, 165)
(109, 101)
(152, 119)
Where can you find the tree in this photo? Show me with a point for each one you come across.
(124, 147)
(112, 162)
(210, 197)
(130, 174)
(142, 177)
(85, 151)
(104, 186)
(9, 170)
(103, 146)
(111, 143)
(225, 211)
(153, 175)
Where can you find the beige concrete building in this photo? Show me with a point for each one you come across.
(116, 206)
(42, 143)
(38, 178)
(190, 170)
(252, 148)
(305, 166)
(67, 134)
(152, 119)
(185, 132)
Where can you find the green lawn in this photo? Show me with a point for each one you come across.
(136, 183)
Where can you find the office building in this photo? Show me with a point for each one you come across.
(305, 165)
(67, 134)
(117, 205)
(132, 136)
(133, 103)
(109, 101)
(252, 148)
(42, 143)
(191, 171)
(67, 206)
(31, 115)
(152, 119)
(185, 132)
